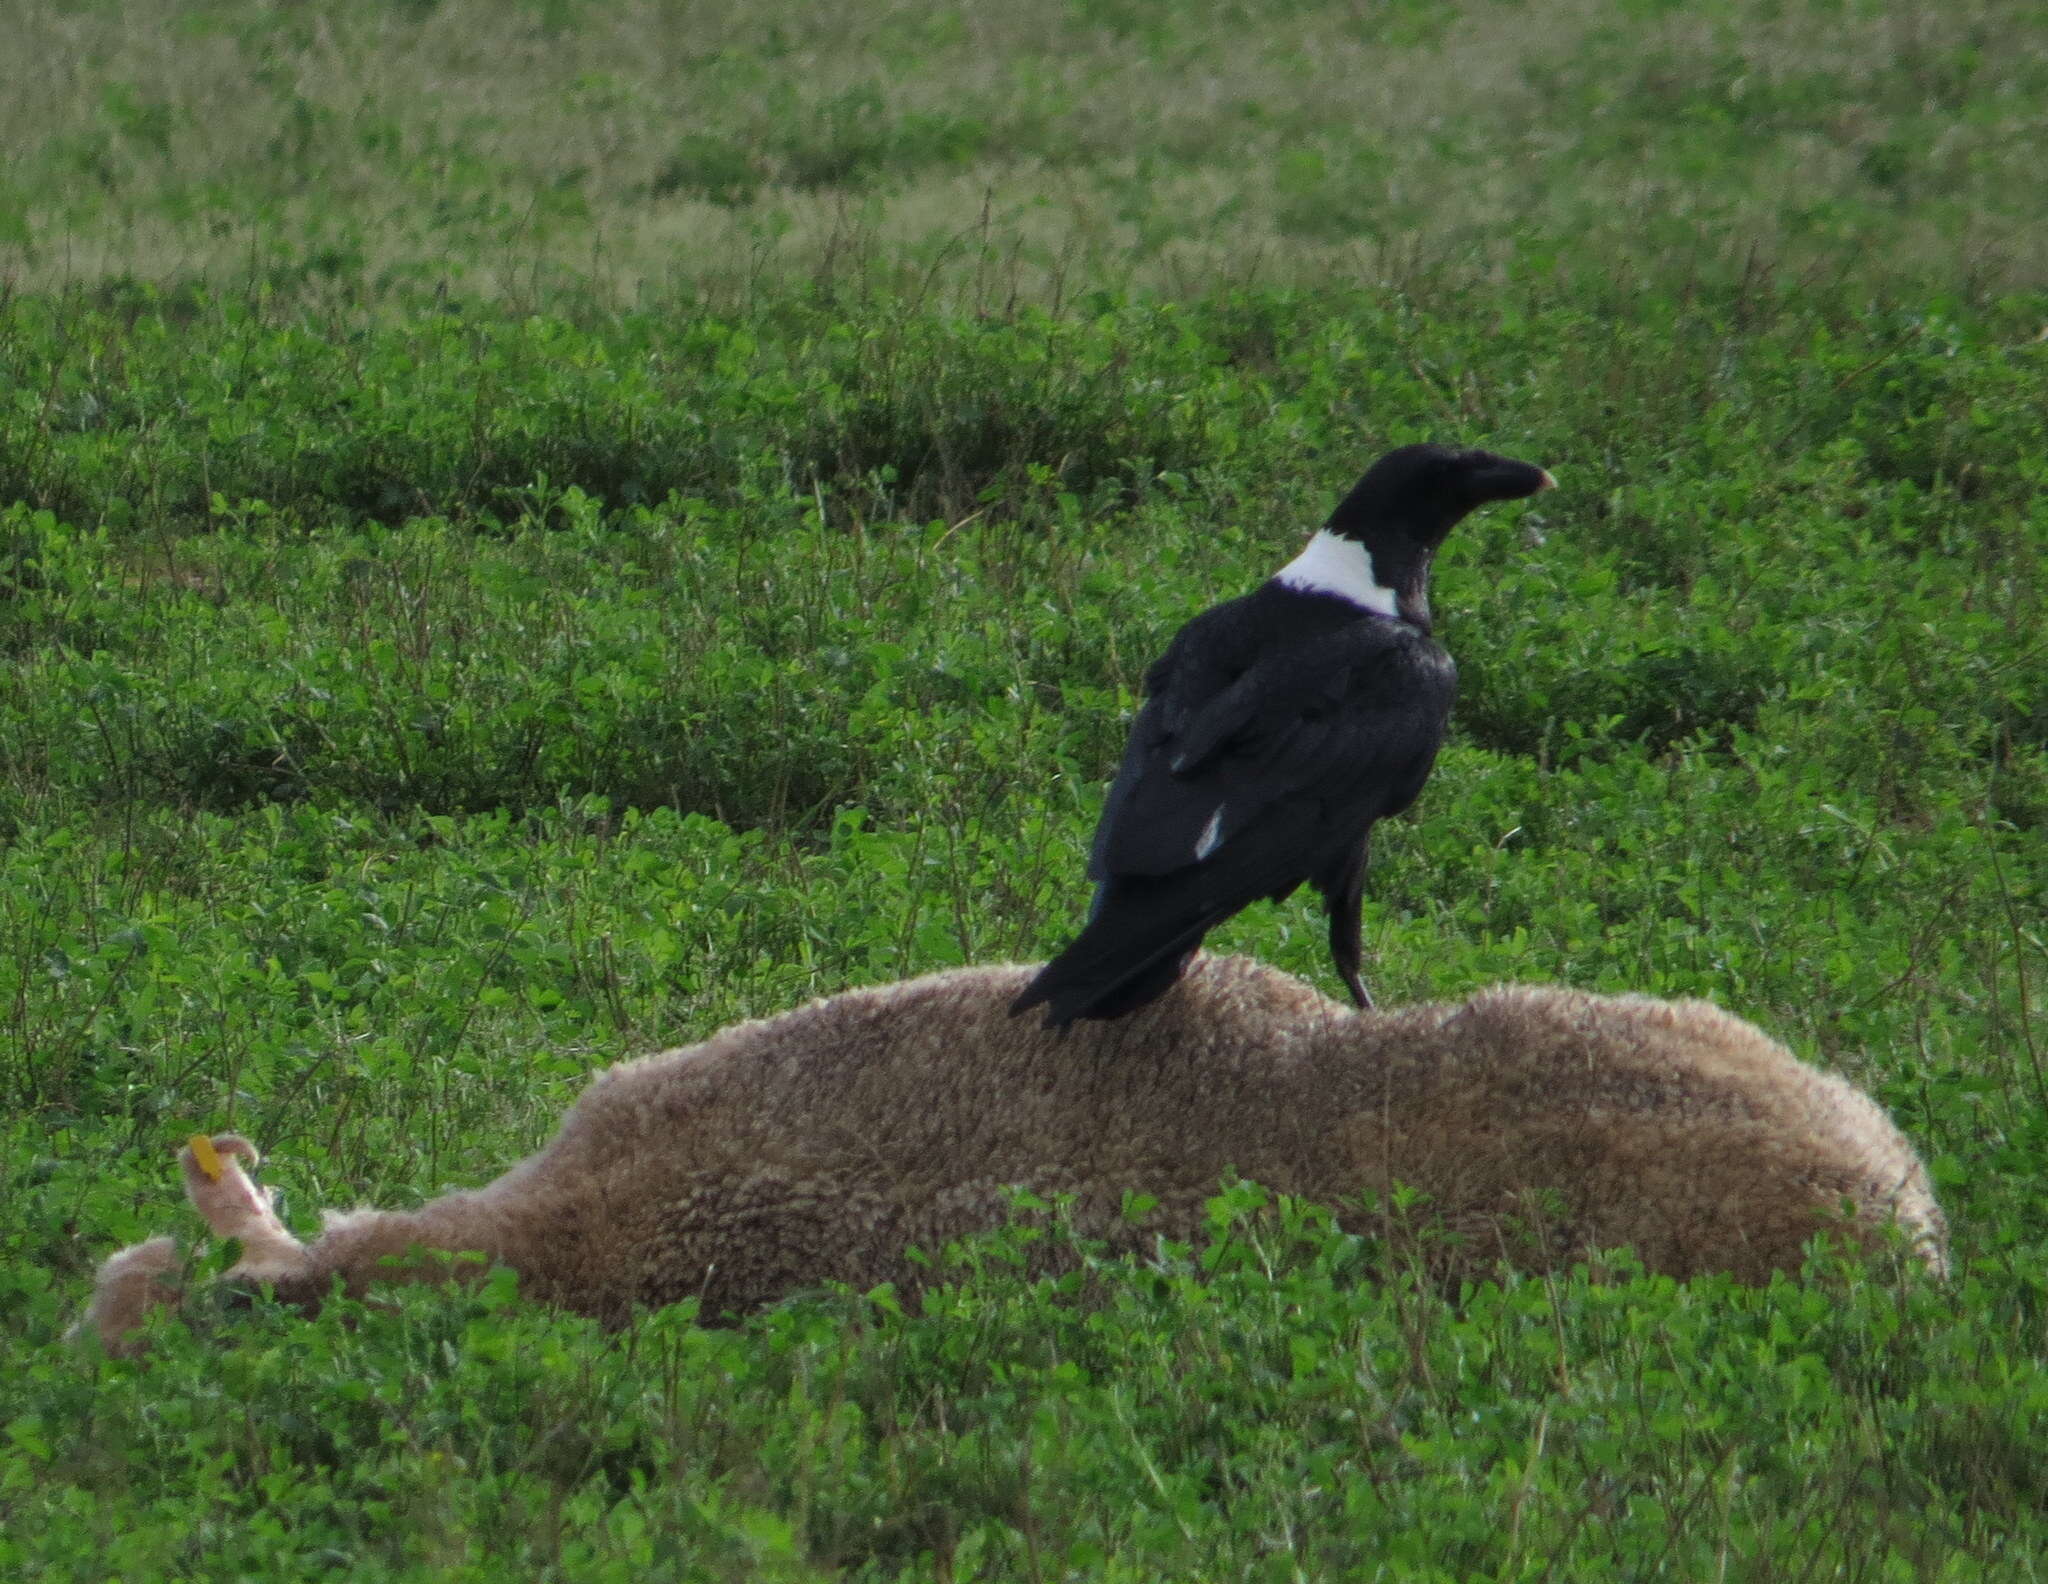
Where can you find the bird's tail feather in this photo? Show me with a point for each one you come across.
(1102, 976)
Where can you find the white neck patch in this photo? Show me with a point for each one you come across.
(1335, 565)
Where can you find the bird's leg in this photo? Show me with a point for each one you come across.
(1348, 971)
(1343, 889)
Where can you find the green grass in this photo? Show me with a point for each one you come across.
(529, 534)
(1277, 1406)
(356, 153)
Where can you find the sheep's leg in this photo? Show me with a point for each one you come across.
(129, 1285)
(235, 1207)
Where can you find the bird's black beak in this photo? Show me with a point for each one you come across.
(1506, 479)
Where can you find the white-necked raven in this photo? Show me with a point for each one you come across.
(1277, 728)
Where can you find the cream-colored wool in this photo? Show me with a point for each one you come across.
(781, 1154)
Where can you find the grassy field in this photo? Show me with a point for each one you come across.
(657, 153)
(528, 533)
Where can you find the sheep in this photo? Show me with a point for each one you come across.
(1541, 1123)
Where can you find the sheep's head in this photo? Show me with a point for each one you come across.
(145, 1277)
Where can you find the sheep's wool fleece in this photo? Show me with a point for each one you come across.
(1540, 1123)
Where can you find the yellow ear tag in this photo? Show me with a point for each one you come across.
(208, 1157)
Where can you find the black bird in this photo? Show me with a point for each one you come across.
(1276, 729)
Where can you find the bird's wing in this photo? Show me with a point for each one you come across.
(1329, 734)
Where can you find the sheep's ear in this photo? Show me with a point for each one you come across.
(205, 1156)
(239, 1212)
(221, 1190)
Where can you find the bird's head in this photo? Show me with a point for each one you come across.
(1411, 498)
(1408, 500)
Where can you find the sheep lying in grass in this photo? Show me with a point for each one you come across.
(813, 1147)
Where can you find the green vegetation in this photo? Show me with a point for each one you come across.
(654, 152)
(528, 533)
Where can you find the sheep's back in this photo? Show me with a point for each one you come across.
(1669, 1126)
(1540, 1123)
